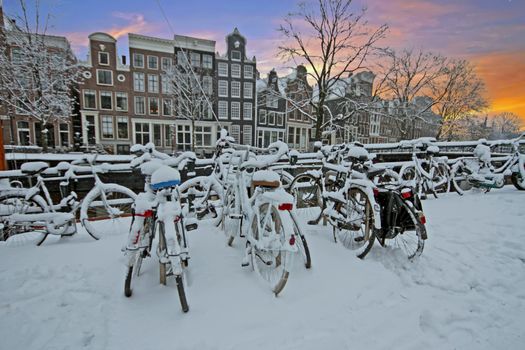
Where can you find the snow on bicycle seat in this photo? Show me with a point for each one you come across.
(164, 177)
(266, 178)
(150, 167)
(433, 149)
(359, 153)
(32, 168)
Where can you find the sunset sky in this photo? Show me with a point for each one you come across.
(491, 33)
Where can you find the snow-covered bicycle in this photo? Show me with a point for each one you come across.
(478, 172)
(430, 175)
(257, 208)
(158, 213)
(103, 210)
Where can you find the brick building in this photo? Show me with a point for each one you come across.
(20, 128)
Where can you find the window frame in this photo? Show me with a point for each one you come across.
(236, 59)
(248, 76)
(225, 107)
(116, 101)
(101, 53)
(100, 100)
(119, 121)
(249, 89)
(225, 86)
(135, 75)
(155, 84)
(136, 98)
(237, 105)
(150, 99)
(105, 70)
(102, 127)
(244, 109)
(84, 98)
(236, 83)
(138, 55)
(156, 60)
(225, 67)
(237, 71)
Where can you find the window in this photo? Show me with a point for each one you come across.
(138, 82)
(279, 118)
(262, 116)
(166, 107)
(207, 85)
(183, 137)
(64, 134)
(140, 105)
(142, 133)
(16, 55)
(168, 135)
(166, 84)
(207, 61)
(107, 127)
(122, 128)
(203, 136)
(153, 83)
(235, 132)
(106, 100)
(153, 105)
(104, 77)
(23, 133)
(236, 55)
(166, 63)
(153, 62)
(223, 88)
(248, 90)
(103, 58)
(236, 89)
(272, 101)
(236, 70)
(223, 69)
(247, 135)
(138, 60)
(248, 72)
(247, 111)
(236, 110)
(271, 118)
(90, 99)
(122, 101)
(206, 110)
(157, 134)
(195, 59)
(223, 110)
(182, 58)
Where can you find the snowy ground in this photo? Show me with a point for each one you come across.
(466, 292)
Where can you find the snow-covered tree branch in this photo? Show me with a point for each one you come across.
(39, 71)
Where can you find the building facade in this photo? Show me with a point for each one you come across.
(125, 103)
(271, 110)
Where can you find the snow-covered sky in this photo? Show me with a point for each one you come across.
(489, 32)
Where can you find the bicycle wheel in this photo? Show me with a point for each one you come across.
(459, 180)
(271, 261)
(231, 218)
(149, 224)
(18, 204)
(162, 252)
(127, 282)
(307, 193)
(410, 238)
(357, 231)
(517, 180)
(302, 245)
(442, 178)
(107, 210)
(182, 294)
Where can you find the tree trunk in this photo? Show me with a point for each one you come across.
(320, 118)
(193, 134)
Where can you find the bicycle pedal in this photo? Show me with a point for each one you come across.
(236, 216)
(245, 264)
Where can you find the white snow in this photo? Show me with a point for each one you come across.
(466, 292)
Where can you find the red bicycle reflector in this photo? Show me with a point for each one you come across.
(376, 192)
(146, 214)
(422, 218)
(406, 194)
(285, 206)
(292, 240)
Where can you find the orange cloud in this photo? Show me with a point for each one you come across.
(504, 75)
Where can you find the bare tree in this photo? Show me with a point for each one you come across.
(37, 71)
(411, 78)
(192, 92)
(332, 41)
(463, 96)
(505, 125)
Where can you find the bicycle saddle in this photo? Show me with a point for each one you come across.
(373, 172)
(164, 177)
(266, 178)
(33, 168)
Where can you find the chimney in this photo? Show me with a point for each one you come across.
(124, 60)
